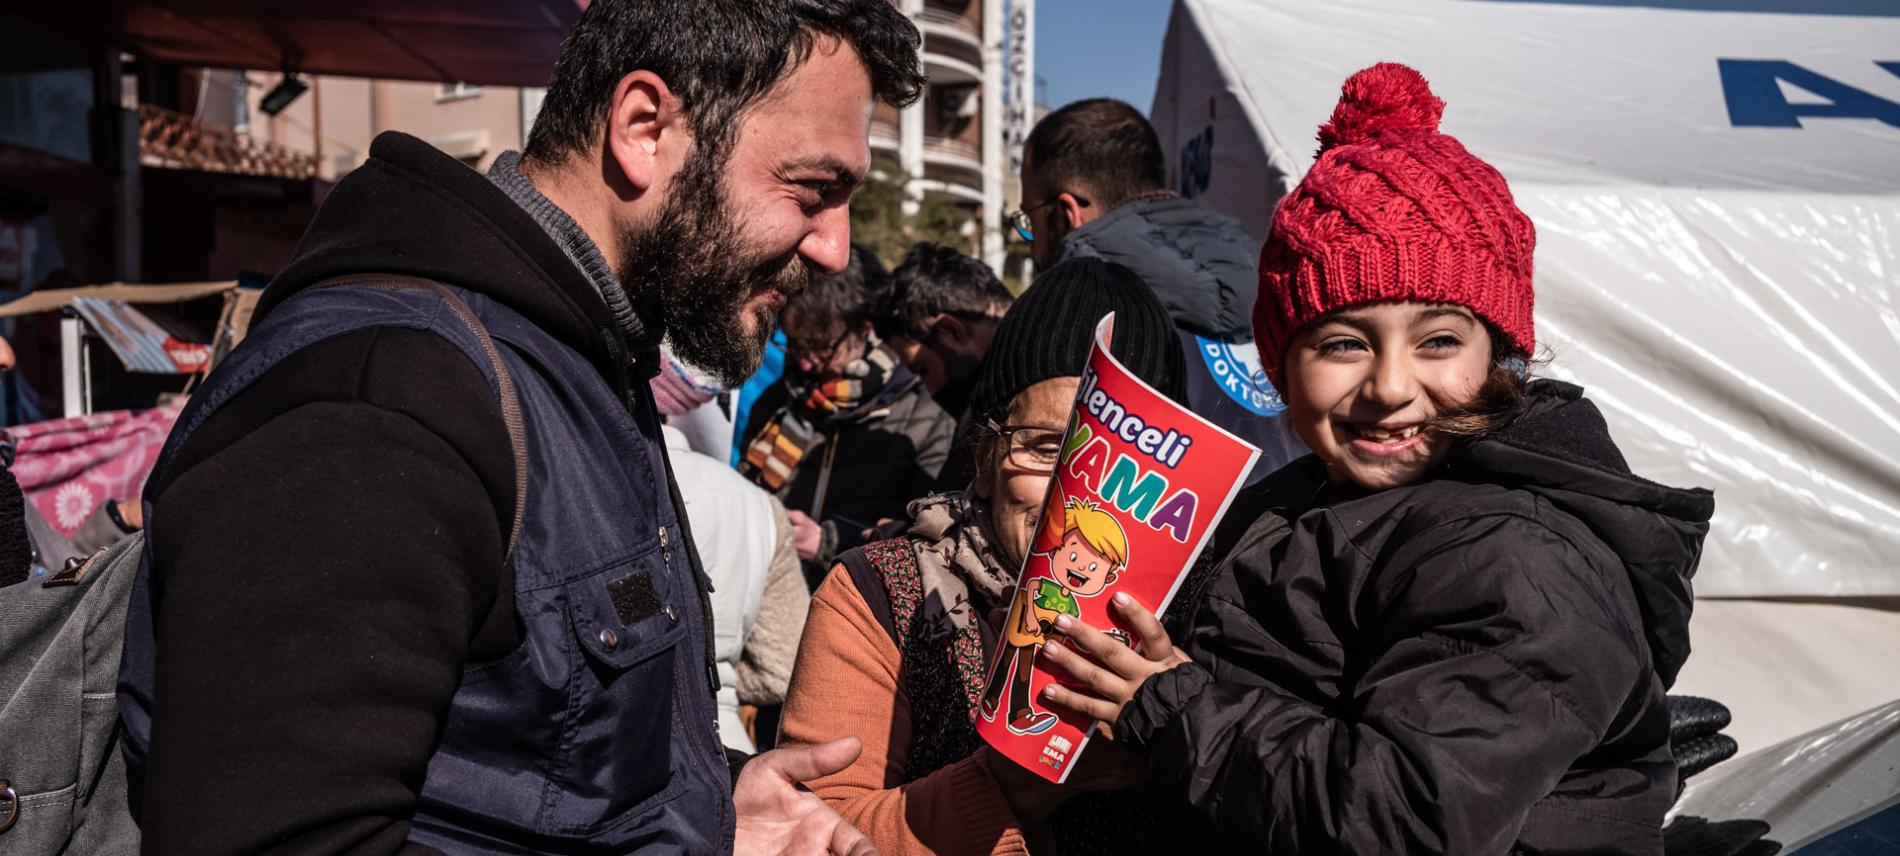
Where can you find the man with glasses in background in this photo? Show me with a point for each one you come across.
(1094, 186)
(850, 434)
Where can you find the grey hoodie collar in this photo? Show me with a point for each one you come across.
(580, 249)
(1202, 264)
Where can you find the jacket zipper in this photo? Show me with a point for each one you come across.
(715, 756)
(824, 476)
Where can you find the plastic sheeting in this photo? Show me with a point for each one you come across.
(1836, 787)
(1726, 289)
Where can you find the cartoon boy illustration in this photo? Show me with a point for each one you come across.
(1089, 553)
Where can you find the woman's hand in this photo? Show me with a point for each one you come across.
(1107, 677)
(807, 535)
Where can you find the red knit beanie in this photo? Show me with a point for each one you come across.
(1393, 210)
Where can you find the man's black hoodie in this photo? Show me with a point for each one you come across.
(389, 435)
(1473, 663)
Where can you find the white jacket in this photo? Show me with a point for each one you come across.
(745, 544)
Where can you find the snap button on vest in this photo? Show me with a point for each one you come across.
(608, 640)
(671, 615)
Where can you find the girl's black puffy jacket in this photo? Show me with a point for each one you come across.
(1471, 664)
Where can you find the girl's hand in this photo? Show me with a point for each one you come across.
(1107, 677)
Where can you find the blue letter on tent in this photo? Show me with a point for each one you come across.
(1753, 89)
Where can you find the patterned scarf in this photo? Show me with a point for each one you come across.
(964, 575)
(862, 393)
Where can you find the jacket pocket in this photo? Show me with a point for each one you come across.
(617, 746)
(37, 822)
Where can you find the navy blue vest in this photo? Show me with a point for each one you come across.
(596, 733)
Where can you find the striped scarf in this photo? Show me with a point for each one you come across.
(813, 408)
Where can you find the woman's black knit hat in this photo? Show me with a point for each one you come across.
(1049, 330)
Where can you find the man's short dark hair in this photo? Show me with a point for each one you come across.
(852, 297)
(1100, 144)
(933, 280)
(717, 56)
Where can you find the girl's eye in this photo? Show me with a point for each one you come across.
(1341, 346)
(1442, 342)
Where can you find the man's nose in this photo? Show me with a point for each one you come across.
(828, 245)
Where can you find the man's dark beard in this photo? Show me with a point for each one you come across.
(691, 270)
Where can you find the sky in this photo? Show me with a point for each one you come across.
(1090, 48)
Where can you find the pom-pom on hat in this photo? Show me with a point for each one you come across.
(1393, 210)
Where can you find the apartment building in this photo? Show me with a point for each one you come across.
(950, 144)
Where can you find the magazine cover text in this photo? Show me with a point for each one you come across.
(1136, 492)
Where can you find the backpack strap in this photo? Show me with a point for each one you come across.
(504, 382)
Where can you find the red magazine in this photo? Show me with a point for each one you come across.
(1136, 493)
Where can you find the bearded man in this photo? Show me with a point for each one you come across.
(417, 579)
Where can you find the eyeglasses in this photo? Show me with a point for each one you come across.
(1019, 219)
(806, 347)
(1030, 447)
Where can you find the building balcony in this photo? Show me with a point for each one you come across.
(953, 46)
(953, 166)
(950, 25)
(177, 141)
(884, 136)
(953, 189)
(952, 152)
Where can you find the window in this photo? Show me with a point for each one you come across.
(457, 91)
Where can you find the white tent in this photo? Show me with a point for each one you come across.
(1716, 189)
(1730, 295)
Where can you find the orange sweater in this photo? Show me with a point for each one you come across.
(846, 683)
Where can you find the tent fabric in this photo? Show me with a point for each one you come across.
(1716, 190)
(1787, 667)
(1833, 791)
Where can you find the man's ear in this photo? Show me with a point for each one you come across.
(951, 327)
(642, 115)
(1072, 211)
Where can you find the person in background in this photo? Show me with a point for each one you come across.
(902, 631)
(18, 556)
(396, 605)
(1450, 629)
(759, 598)
(696, 405)
(1094, 186)
(850, 434)
(772, 365)
(943, 307)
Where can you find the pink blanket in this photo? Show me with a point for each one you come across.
(67, 467)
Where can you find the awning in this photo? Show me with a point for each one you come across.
(494, 42)
(54, 299)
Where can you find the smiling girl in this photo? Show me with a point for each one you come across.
(1449, 630)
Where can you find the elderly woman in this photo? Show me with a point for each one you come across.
(901, 631)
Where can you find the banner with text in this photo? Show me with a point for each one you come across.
(1136, 493)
